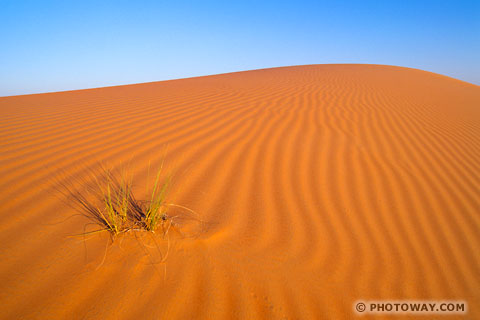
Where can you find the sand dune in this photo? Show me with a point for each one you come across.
(320, 185)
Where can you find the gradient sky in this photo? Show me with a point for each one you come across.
(62, 45)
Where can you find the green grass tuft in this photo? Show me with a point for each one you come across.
(109, 203)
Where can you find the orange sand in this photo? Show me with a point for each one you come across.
(321, 185)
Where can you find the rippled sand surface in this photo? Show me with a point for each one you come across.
(319, 185)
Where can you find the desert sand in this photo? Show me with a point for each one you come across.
(319, 185)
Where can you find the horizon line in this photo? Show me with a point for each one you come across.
(238, 71)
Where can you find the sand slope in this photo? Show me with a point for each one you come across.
(320, 184)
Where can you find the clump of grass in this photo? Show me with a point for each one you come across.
(109, 203)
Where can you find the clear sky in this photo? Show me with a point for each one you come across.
(61, 45)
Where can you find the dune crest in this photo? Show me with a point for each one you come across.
(321, 185)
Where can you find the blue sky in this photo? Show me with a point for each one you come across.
(63, 45)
